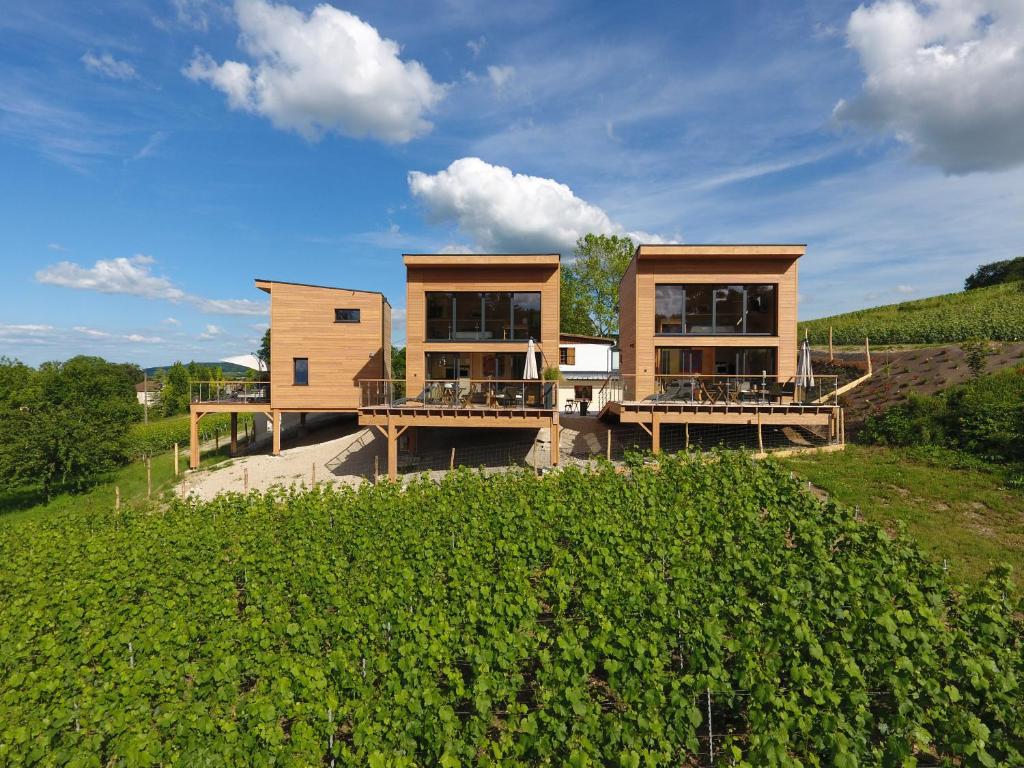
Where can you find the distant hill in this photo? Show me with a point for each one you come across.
(231, 370)
(995, 313)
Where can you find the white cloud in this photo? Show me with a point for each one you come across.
(27, 334)
(503, 211)
(476, 46)
(137, 338)
(946, 77)
(121, 275)
(905, 289)
(326, 72)
(56, 247)
(171, 321)
(211, 332)
(500, 76)
(108, 66)
(197, 14)
(155, 140)
(133, 277)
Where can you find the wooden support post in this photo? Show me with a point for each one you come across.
(686, 432)
(276, 451)
(451, 461)
(149, 477)
(608, 445)
(245, 479)
(117, 498)
(867, 354)
(193, 441)
(760, 438)
(831, 356)
(176, 470)
(376, 468)
(234, 433)
(392, 451)
(555, 437)
(655, 433)
(314, 474)
(302, 419)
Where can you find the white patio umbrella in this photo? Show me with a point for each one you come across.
(530, 369)
(804, 371)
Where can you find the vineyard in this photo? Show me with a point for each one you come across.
(993, 313)
(704, 611)
(161, 434)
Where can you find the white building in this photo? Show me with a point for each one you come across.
(586, 363)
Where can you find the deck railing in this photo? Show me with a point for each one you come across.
(229, 391)
(720, 389)
(459, 393)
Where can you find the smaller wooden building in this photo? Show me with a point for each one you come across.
(323, 341)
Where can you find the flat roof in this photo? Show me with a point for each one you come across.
(736, 250)
(569, 338)
(264, 285)
(481, 259)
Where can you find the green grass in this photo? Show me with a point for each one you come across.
(131, 479)
(962, 514)
(984, 313)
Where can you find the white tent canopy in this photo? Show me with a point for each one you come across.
(247, 361)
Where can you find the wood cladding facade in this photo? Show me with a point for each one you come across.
(667, 264)
(302, 323)
(427, 273)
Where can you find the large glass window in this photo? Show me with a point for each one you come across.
(714, 310)
(440, 311)
(678, 360)
(479, 316)
(745, 361)
(525, 316)
(668, 309)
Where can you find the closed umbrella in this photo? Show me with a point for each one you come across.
(804, 371)
(530, 369)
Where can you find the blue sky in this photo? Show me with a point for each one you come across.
(157, 155)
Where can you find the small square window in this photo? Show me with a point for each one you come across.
(300, 371)
(346, 315)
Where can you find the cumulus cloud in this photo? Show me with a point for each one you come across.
(329, 71)
(505, 211)
(946, 77)
(108, 66)
(133, 276)
(211, 332)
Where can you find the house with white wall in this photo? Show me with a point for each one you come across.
(585, 363)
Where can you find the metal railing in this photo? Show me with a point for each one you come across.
(229, 391)
(721, 389)
(459, 393)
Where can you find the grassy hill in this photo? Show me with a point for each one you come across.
(995, 313)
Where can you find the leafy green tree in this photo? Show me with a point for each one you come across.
(70, 425)
(995, 273)
(175, 396)
(575, 317)
(591, 284)
(263, 353)
(398, 363)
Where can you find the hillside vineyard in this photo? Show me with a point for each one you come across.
(704, 610)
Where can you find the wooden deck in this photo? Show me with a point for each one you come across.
(393, 420)
(651, 415)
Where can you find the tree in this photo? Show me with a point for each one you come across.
(575, 316)
(997, 272)
(398, 363)
(263, 353)
(176, 394)
(68, 424)
(590, 285)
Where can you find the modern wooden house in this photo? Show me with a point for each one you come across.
(323, 343)
(708, 334)
(471, 320)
